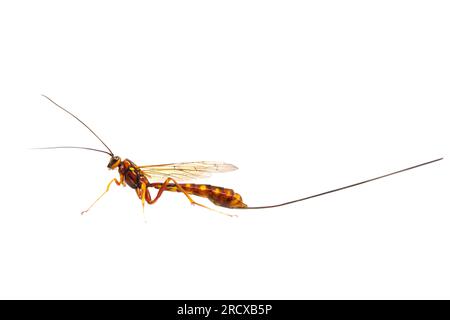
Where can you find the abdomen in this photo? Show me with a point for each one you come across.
(219, 196)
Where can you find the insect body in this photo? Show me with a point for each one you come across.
(137, 178)
(166, 177)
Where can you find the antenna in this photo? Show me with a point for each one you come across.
(84, 124)
(71, 147)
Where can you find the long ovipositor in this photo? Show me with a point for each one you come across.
(223, 197)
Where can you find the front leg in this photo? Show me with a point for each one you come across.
(107, 189)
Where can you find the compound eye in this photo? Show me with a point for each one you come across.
(114, 162)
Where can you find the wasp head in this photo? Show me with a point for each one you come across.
(114, 162)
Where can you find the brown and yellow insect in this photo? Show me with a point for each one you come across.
(166, 177)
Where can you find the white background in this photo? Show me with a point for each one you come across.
(302, 96)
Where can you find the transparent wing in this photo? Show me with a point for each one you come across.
(185, 171)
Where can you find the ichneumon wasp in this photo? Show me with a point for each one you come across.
(166, 177)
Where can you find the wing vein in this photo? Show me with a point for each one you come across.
(186, 170)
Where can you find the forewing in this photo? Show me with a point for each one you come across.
(186, 171)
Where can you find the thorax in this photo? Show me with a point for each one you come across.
(133, 175)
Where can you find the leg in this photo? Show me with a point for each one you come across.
(107, 189)
(164, 186)
(143, 192)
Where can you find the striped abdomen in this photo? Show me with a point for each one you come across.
(219, 196)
